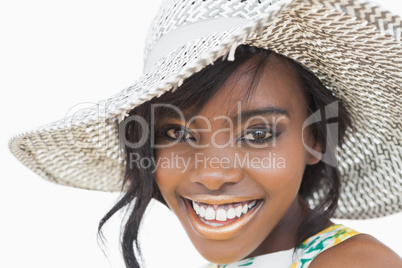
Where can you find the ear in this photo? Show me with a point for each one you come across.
(314, 153)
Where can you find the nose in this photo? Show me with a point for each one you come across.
(214, 170)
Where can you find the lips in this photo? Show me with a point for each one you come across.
(218, 219)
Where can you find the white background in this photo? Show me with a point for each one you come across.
(55, 54)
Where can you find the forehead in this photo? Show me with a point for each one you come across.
(278, 87)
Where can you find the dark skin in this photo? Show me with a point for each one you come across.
(361, 250)
(271, 226)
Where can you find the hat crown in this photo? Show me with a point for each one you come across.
(176, 14)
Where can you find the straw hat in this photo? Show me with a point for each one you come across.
(354, 47)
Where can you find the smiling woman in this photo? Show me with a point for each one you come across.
(240, 209)
(254, 132)
(266, 197)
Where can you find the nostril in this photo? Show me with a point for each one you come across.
(215, 179)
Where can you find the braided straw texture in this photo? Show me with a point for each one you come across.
(353, 47)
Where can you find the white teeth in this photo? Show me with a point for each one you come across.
(196, 207)
(231, 214)
(221, 215)
(210, 214)
(238, 211)
(245, 209)
(202, 211)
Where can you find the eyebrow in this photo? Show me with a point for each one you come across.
(269, 110)
(262, 111)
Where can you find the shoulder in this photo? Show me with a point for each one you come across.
(361, 250)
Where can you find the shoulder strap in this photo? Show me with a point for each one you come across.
(320, 242)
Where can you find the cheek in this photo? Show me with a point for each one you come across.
(170, 176)
(278, 181)
(166, 175)
(167, 188)
(162, 180)
(283, 176)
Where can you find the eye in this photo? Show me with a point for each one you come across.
(258, 135)
(179, 134)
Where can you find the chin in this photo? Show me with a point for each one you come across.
(223, 254)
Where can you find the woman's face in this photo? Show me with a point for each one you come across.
(232, 173)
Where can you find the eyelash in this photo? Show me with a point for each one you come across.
(182, 137)
(272, 134)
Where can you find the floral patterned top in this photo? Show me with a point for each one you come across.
(304, 255)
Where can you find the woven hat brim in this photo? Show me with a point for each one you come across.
(360, 64)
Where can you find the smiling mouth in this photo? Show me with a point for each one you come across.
(219, 215)
(223, 220)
